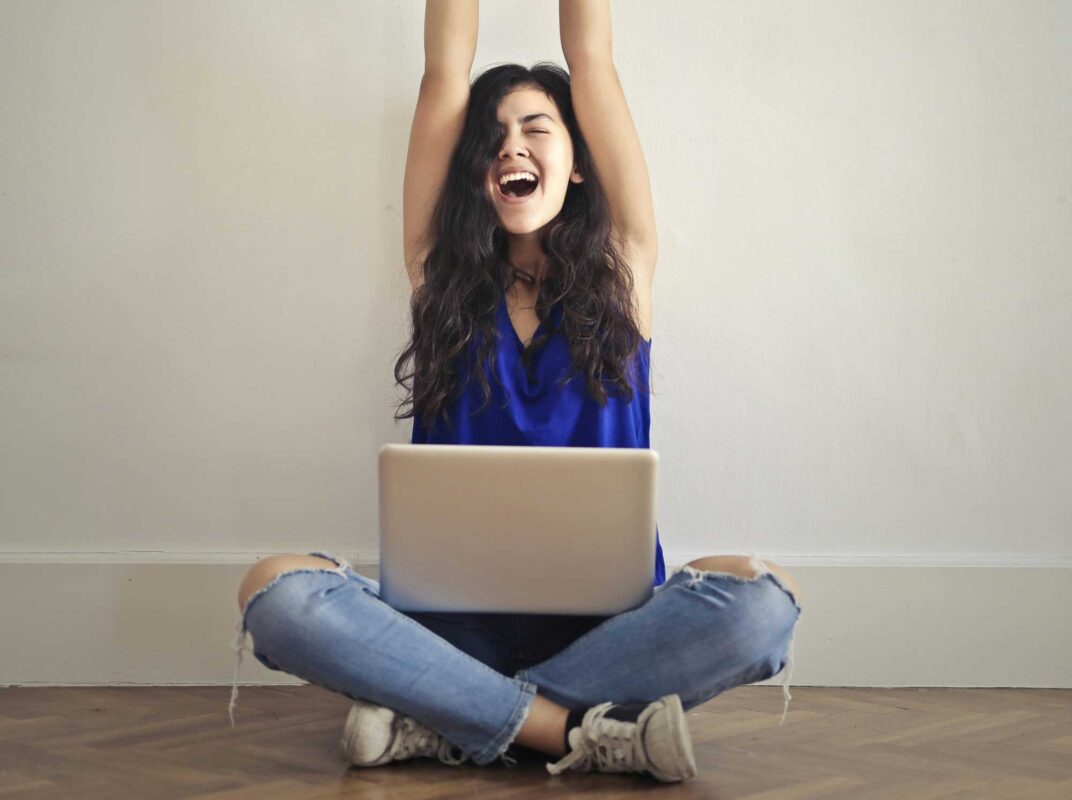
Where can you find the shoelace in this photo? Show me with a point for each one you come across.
(611, 748)
(415, 739)
(412, 739)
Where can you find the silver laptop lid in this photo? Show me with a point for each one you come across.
(516, 529)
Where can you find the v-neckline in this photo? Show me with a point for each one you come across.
(510, 324)
(517, 338)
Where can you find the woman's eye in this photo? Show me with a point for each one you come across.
(537, 131)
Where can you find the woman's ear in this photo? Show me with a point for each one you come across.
(575, 176)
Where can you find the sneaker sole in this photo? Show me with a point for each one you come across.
(676, 730)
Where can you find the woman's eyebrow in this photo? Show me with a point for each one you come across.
(531, 117)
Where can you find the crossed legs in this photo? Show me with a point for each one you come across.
(544, 727)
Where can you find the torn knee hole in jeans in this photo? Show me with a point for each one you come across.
(758, 566)
(340, 570)
(754, 562)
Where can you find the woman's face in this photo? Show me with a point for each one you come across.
(535, 141)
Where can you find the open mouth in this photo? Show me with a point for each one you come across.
(518, 188)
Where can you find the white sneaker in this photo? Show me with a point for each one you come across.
(375, 735)
(658, 743)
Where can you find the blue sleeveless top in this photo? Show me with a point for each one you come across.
(534, 411)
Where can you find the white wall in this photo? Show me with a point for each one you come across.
(861, 322)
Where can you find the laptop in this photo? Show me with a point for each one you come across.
(516, 529)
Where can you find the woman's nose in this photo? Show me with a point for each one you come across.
(512, 147)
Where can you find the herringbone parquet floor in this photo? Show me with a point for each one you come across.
(858, 744)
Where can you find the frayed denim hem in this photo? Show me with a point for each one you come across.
(499, 745)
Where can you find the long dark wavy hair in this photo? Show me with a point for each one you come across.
(465, 273)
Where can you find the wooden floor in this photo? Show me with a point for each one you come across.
(864, 744)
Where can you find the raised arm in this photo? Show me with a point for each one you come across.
(604, 119)
(450, 35)
(450, 32)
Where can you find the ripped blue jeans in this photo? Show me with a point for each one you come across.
(472, 678)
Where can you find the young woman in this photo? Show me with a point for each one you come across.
(529, 241)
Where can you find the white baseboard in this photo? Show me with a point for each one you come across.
(169, 619)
